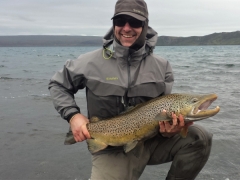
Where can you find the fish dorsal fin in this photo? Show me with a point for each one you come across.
(129, 146)
(162, 116)
(129, 108)
(95, 145)
(94, 119)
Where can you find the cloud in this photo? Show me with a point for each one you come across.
(92, 17)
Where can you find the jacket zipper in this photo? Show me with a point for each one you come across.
(118, 105)
(129, 82)
(129, 75)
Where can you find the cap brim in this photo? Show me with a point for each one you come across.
(137, 16)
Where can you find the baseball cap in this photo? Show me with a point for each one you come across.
(135, 8)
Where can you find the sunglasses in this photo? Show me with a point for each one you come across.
(134, 23)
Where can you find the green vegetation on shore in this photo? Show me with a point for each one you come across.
(224, 38)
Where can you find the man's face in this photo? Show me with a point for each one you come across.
(127, 30)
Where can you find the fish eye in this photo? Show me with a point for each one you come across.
(194, 100)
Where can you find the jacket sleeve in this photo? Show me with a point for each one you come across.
(169, 79)
(63, 85)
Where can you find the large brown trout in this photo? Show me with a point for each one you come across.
(142, 121)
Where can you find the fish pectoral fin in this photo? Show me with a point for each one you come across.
(129, 146)
(69, 138)
(184, 132)
(95, 145)
(94, 119)
(162, 116)
(138, 150)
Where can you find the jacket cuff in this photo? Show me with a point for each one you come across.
(71, 115)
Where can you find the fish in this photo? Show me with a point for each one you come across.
(141, 122)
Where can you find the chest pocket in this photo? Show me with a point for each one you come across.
(103, 106)
(103, 100)
(147, 86)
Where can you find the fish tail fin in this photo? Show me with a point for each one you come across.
(69, 138)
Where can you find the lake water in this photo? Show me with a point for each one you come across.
(32, 133)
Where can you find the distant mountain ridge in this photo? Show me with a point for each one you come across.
(49, 40)
(224, 38)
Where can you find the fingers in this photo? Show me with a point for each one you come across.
(168, 129)
(81, 134)
(174, 119)
(174, 127)
(86, 133)
(78, 137)
(181, 120)
(79, 127)
(162, 127)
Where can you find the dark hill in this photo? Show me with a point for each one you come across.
(224, 38)
(49, 40)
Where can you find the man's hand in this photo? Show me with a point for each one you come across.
(79, 128)
(169, 130)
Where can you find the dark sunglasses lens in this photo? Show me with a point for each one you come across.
(119, 22)
(132, 22)
(135, 23)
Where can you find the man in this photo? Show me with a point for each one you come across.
(125, 73)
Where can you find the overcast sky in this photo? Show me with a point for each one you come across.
(93, 17)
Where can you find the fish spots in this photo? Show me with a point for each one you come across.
(140, 122)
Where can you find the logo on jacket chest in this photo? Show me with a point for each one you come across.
(111, 78)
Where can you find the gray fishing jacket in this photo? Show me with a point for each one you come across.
(114, 78)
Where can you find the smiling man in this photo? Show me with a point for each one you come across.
(130, 23)
(127, 29)
(123, 73)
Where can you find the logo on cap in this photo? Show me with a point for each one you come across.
(137, 11)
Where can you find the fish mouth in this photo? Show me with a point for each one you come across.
(201, 111)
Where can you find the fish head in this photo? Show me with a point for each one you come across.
(195, 107)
